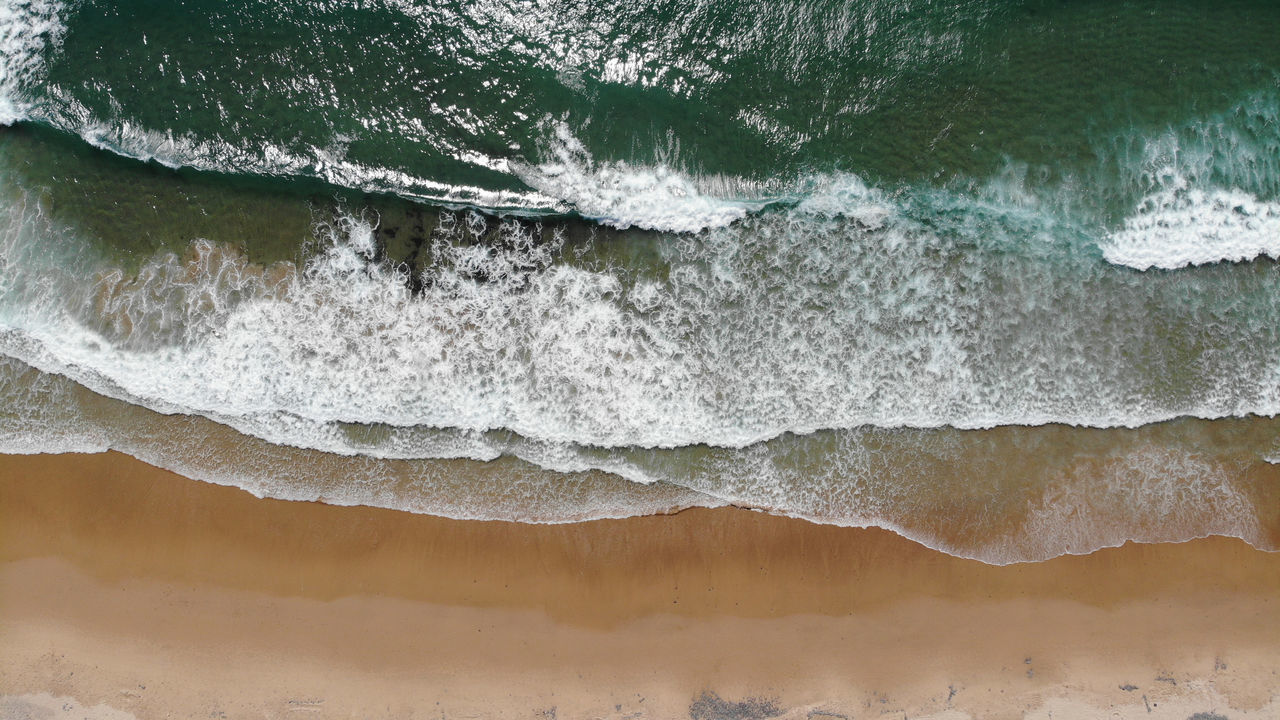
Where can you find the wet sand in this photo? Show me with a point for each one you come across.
(127, 588)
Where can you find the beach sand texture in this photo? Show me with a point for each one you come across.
(127, 591)
(643, 360)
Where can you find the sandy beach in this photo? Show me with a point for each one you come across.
(643, 360)
(127, 591)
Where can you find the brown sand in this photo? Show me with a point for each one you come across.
(126, 587)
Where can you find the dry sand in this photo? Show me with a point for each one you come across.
(127, 591)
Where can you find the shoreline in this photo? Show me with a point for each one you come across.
(116, 575)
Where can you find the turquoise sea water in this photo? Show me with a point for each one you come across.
(999, 276)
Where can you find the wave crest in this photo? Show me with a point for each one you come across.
(28, 28)
(622, 195)
(1183, 225)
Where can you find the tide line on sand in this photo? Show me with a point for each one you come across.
(130, 589)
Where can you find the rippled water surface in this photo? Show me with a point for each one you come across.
(999, 276)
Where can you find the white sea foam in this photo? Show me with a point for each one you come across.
(623, 195)
(328, 163)
(789, 322)
(854, 307)
(36, 417)
(846, 195)
(1084, 490)
(46, 413)
(1209, 189)
(28, 30)
(1152, 494)
(844, 311)
(1183, 225)
(617, 194)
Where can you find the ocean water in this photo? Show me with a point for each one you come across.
(999, 276)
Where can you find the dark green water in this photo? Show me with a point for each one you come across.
(439, 99)
(997, 275)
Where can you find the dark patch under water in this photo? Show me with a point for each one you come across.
(710, 706)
